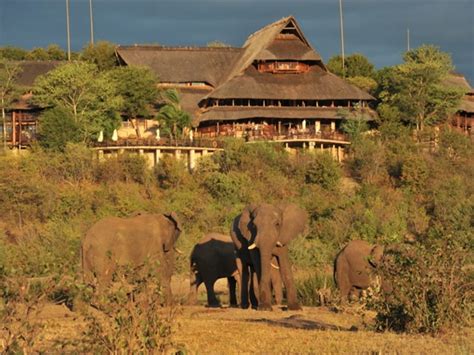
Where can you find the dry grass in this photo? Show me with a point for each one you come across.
(234, 331)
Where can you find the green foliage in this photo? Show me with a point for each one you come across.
(55, 52)
(171, 173)
(57, 128)
(131, 317)
(415, 87)
(355, 65)
(38, 54)
(12, 53)
(137, 87)
(364, 83)
(101, 54)
(89, 97)
(173, 120)
(323, 170)
(431, 291)
(315, 289)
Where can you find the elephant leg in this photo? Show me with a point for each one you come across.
(232, 296)
(166, 271)
(254, 290)
(287, 276)
(212, 300)
(244, 287)
(342, 279)
(277, 285)
(195, 281)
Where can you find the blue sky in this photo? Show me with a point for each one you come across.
(375, 28)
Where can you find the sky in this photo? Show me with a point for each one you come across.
(375, 28)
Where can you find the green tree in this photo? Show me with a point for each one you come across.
(56, 128)
(88, 95)
(55, 52)
(415, 87)
(355, 65)
(13, 53)
(101, 54)
(137, 86)
(38, 54)
(8, 90)
(173, 119)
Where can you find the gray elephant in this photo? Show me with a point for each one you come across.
(355, 268)
(213, 258)
(260, 233)
(132, 241)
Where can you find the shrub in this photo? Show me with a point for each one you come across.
(315, 289)
(323, 170)
(431, 290)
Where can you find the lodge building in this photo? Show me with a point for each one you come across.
(276, 87)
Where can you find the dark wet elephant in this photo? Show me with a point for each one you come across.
(355, 268)
(213, 258)
(132, 241)
(260, 233)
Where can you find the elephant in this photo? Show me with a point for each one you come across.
(355, 268)
(213, 258)
(132, 241)
(260, 233)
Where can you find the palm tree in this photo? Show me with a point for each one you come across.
(173, 119)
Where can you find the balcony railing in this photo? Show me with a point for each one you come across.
(163, 142)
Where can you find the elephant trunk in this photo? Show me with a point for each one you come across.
(265, 280)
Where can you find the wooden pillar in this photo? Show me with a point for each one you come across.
(177, 154)
(311, 146)
(140, 152)
(322, 147)
(192, 159)
(279, 128)
(100, 155)
(204, 152)
(317, 126)
(157, 156)
(19, 130)
(333, 151)
(339, 154)
(333, 126)
(13, 128)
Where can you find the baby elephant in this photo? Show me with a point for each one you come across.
(213, 258)
(355, 268)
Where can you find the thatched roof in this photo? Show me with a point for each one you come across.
(317, 84)
(31, 69)
(208, 65)
(232, 72)
(458, 81)
(224, 113)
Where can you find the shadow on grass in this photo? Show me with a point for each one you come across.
(296, 322)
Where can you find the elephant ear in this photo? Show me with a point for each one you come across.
(244, 222)
(174, 218)
(376, 255)
(294, 221)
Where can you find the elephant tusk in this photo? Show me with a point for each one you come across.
(275, 266)
(252, 246)
(278, 244)
(178, 251)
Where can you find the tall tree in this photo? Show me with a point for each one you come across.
(173, 119)
(137, 87)
(101, 54)
(88, 95)
(354, 65)
(415, 87)
(8, 91)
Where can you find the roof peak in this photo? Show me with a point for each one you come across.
(275, 23)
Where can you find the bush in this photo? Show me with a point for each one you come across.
(431, 290)
(323, 170)
(56, 128)
(315, 289)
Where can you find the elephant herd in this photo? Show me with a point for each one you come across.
(255, 256)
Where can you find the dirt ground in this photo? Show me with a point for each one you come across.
(201, 330)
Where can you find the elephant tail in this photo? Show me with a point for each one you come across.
(334, 275)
